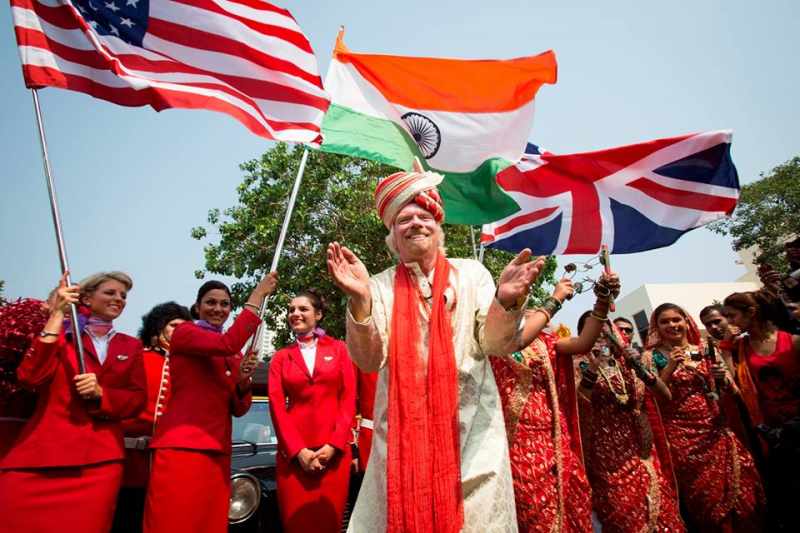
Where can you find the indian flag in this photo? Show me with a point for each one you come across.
(467, 119)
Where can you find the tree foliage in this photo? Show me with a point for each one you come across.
(335, 203)
(767, 214)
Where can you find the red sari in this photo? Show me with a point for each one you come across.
(717, 478)
(550, 485)
(627, 462)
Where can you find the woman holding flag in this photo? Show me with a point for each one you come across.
(66, 466)
(189, 485)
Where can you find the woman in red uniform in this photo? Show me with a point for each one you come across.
(189, 485)
(66, 466)
(717, 478)
(312, 393)
(155, 334)
(767, 362)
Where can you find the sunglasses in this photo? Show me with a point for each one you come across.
(626, 331)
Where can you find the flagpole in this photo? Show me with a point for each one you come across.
(279, 246)
(480, 253)
(62, 251)
(472, 238)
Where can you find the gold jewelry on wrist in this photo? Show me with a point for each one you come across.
(255, 308)
(597, 317)
(547, 315)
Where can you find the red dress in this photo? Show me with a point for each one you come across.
(65, 468)
(189, 486)
(631, 491)
(550, 485)
(321, 409)
(717, 478)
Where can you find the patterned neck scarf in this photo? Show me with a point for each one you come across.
(98, 327)
(204, 324)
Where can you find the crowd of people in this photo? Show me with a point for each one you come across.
(465, 408)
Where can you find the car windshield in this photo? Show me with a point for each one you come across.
(255, 426)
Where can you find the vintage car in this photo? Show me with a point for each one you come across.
(253, 503)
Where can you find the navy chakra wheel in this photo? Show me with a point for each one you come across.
(426, 134)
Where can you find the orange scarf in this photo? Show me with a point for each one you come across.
(423, 465)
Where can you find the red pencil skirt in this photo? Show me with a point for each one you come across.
(40, 500)
(313, 501)
(189, 490)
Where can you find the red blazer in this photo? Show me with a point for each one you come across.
(204, 371)
(321, 406)
(66, 430)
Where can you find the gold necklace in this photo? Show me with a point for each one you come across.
(622, 396)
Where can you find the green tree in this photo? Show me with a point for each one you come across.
(335, 203)
(767, 214)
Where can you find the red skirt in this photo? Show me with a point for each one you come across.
(40, 500)
(189, 490)
(313, 501)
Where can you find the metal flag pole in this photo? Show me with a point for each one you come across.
(472, 238)
(480, 253)
(256, 340)
(62, 251)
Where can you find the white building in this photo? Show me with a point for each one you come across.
(639, 304)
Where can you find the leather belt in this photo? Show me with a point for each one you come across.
(137, 443)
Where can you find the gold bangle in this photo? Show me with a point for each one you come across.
(254, 306)
(598, 317)
(547, 315)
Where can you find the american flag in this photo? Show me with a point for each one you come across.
(246, 58)
(631, 198)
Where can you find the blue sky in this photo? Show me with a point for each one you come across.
(132, 182)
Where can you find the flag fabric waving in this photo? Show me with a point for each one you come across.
(246, 58)
(632, 198)
(467, 119)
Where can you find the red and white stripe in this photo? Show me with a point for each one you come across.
(246, 58)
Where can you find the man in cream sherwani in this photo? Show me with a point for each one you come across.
(439, 460)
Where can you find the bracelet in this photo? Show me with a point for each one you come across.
(254, 307)
(44, 333)
(547, 315)
(597, 317)
(552, 306)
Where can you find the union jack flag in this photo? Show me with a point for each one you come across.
(246, 58)
(631, 198)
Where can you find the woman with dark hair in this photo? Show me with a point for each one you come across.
(537, 390)
(66, 466)
(189, 485)
(627, 457)
(312, 391)
(767, 363)
(155, 334)
(717, 478)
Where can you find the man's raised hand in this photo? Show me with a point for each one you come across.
(517, 277)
